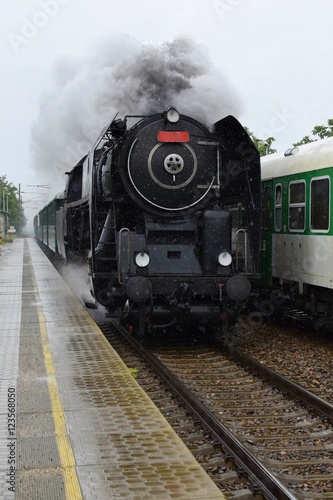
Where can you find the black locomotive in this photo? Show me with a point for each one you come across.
(167, 213)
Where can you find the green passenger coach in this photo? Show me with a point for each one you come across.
(45, 223)
(297, 243)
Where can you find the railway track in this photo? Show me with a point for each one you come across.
(277, 436)
(218, 464)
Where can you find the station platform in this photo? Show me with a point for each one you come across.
(74, 423)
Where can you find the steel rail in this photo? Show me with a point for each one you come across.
(270, 486)
(307, 398)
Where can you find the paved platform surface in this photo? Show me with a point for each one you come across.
(74, 423)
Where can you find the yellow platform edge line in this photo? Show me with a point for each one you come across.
(66, 455)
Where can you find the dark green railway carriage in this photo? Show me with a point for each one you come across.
(45, 222)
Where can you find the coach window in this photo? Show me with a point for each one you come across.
(278, 207)
(320, 204)
(297, 206)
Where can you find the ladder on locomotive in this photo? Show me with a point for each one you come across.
(243, 254)
(106, 249)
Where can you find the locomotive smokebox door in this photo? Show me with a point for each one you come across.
(171, 168)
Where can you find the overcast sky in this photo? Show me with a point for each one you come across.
(269, 61)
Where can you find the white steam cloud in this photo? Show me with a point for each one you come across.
(131, 78)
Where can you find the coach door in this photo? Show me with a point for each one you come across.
(267, 227)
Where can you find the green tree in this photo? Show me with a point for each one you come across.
(9, 200)
(263, 146)
(322, 131)
(306, 139)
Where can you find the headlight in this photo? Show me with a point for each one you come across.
(172, 115)
(225, 259)
(142, 259)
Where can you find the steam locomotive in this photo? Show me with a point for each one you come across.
(167, 215)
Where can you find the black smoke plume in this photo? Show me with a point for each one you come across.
(123, 77)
